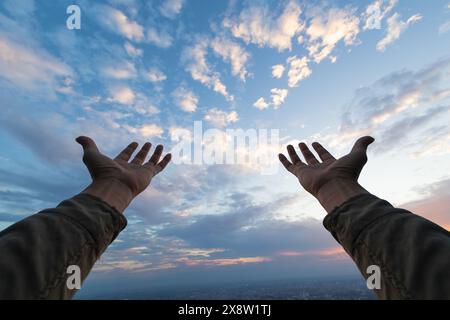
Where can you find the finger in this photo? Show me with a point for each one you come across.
(140, 157)
(362, 143)
(87, 143)
(157, 154)
(164, 162)
(126, 153)
(323, 153)
(286, 163)
(293, 155)
(309, 157)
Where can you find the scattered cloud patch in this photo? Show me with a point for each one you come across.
(298, 70)
(328, 28)
(277, 71)
(185, 99)
(171, 8)
(259, 25)
(221, 118)
(395, 28)
(155, 75)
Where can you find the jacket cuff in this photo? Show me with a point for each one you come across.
(348, 221)
(99, 219)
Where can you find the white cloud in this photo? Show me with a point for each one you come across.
(261, 104)
(185, 99)
(277, 71)
(117, 21)
(122, 95)
(31, 68)
(221, 118)
(260, 26)
(132, 50)
(171, 8)
(298, 70)
(232, 52)
(146, 130)
(327, 29)
(395, 28)
(376, 12)
(150, 130)
(122, 70)
(160, 39)
(278, 96)
(194, 57)
(155, 75)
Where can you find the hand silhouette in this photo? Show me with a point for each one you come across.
(131, 177)
(317, 176)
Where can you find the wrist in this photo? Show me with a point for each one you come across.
(112, 191)
(337, 191)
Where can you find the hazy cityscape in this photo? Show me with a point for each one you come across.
(348, 289)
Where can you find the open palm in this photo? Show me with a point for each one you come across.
(313, 175)
(136, 175)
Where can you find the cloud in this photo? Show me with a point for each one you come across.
(298, 70)
(395, 28)
(155, 75)
(433, 203)
(221, 118)
(150, 130)
(259, 25)
(376, 12)
(396, 108)
(40, 136)
(132, 50)
(185, 99)
(278, 96)
(116, 21)
(159, 38)
(223, 262)
(121, 70)
(171, 8)
(232, 52)
(194, 58)
(24, 66)
(277, 71)
(261, 104)
(328, 28)
(122, 95)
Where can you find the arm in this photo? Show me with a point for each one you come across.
(37, 250)
(413, 254)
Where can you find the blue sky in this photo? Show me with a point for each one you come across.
(140, 70)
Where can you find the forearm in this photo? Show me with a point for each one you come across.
(112, 191)
(338, 191)
(37, 251)
(413, 254)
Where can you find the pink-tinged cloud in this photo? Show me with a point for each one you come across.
(223, 262)
(434, 207)
(337, 253)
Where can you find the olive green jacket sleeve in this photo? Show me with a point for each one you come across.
(36, 252)
(413, 253)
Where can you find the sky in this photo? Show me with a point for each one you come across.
(327, 71)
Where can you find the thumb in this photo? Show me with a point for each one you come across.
(362, 143)
(87, 143)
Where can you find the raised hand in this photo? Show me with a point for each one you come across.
(324, 179)
(129, 178)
